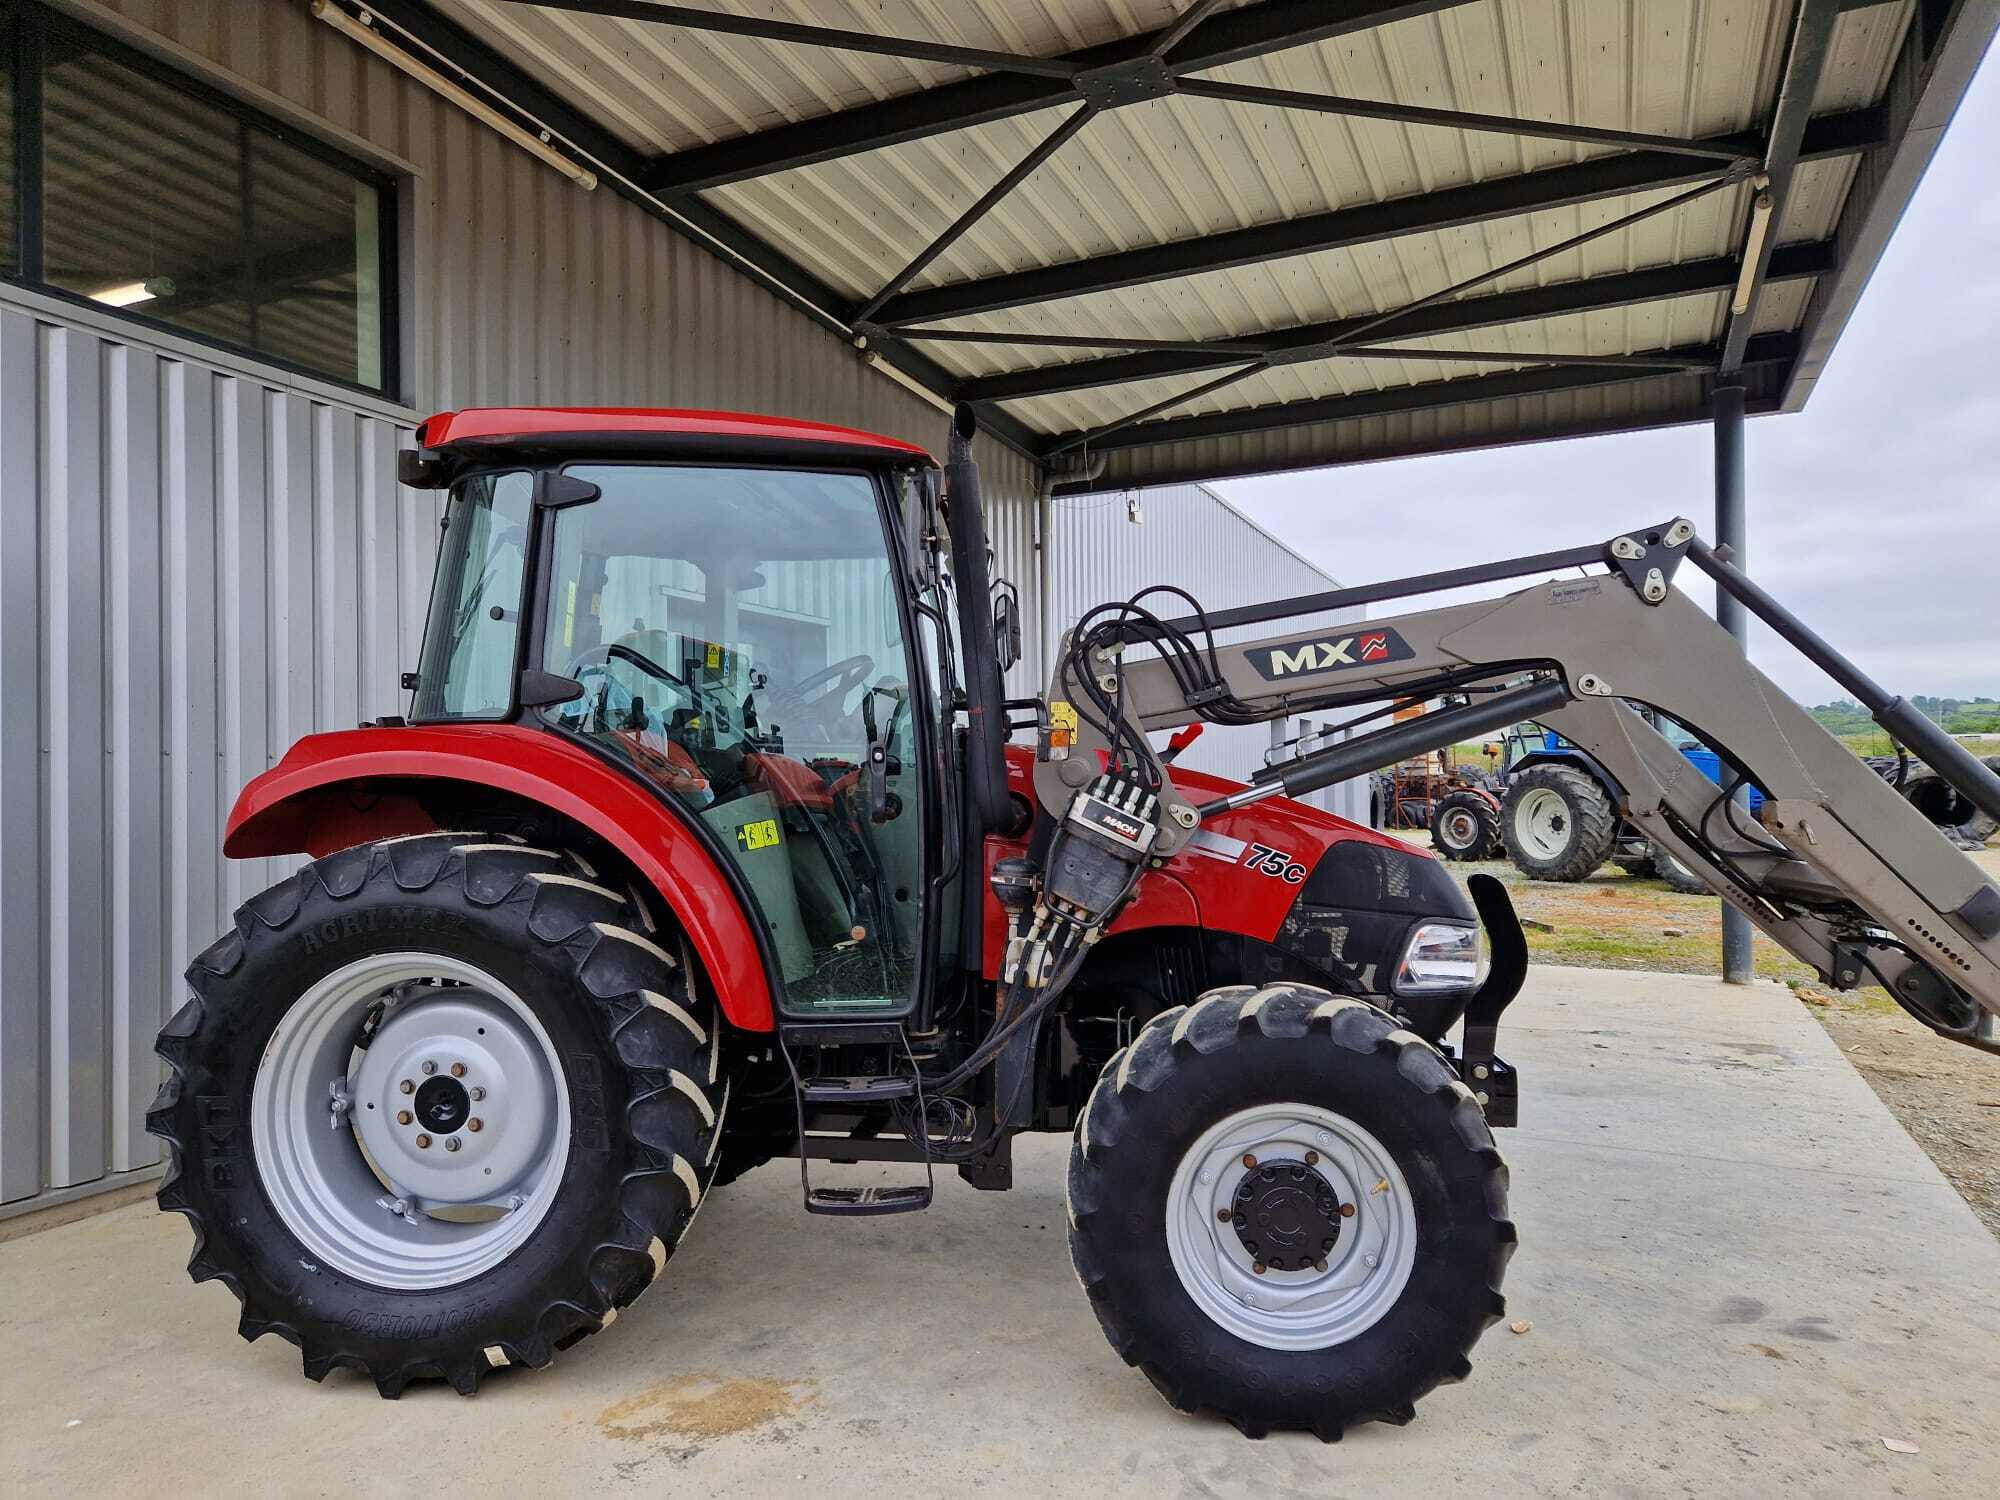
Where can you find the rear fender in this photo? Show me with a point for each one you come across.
(318, 799)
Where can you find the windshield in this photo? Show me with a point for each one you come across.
(738, 635)
(472, 636)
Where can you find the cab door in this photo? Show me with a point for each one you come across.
(739, 635)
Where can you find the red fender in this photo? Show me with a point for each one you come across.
(289, 810)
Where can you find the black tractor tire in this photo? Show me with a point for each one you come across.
(1638, 866)
(639, 1054)
(1668, 869)
(1238, 1048)
(1587, 816)
(1466, 825)
(1948, 808)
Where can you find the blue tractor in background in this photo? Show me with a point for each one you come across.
(1554, 809)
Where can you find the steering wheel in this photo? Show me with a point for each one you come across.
(594, 660)
(603, 656)
(817, 697)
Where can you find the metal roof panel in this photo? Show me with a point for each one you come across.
(1176, 170)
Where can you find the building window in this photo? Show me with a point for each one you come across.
(129, 186)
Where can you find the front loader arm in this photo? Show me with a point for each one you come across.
(1838, 868)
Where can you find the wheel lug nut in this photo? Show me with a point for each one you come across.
(475, 1124)
(1250, 1162)
(1223, 1214)
(407, 1087)
(458, 1070)
(1312, 1158)
(1259, 1267)
(430, 1068)
(1319, 1265)
(403, 1117)
(451, 1143)
(423, 1143)
(1347, 1210)
(478, 1093)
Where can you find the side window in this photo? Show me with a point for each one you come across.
(132, 187)
(473, 636)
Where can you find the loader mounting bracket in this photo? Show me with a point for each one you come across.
(1495, 1084)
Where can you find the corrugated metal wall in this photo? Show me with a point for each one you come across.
(1192, 538)
(201, 560)
(201, 565)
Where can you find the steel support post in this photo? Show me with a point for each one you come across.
(1737, 964)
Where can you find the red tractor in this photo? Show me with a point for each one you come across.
(702, 844)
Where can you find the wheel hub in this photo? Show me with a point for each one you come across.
(1291, 1226)
(454, 1099)
(450, 1123)
(1286, 1216)
(443, 1105)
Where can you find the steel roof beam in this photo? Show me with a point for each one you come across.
(1232, 36)
(1767, 349)
(477, 63)
(1154, 359)
(1019, 173)
(1442, 295)
(1500, 198)
(1812, 38)
(1940, 55)
(1455, 119)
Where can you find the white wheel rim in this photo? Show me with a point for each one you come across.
(1365, 1269)
(418, 1203)
(1458, 828)
(1542, 823)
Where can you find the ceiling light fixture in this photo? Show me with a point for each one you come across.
(1753, 245)
(365, 34)
(130, 293)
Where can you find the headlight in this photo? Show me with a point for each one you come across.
(1439, 956)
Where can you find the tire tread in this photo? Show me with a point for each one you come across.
(615, 967)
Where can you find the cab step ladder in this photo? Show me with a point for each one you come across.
(858, 1091)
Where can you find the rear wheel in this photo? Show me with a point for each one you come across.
(1466, 825)
(436, 1106)
(1950, 809)
(1288, 1210)
(1558, 824)
(1668, 868)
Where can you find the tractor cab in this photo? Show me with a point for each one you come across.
(738, 636)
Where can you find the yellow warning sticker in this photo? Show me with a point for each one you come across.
(1062, 724)
(763, 834)
(714, 656)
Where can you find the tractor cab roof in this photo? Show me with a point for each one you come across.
(454, 440)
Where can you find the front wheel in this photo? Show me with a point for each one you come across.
(437, 1105)
(1288, 1210)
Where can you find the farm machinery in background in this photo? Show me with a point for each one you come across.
(1551, 809)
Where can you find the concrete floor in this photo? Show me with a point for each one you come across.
(1740, 1273)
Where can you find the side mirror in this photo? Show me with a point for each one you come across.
(1006, 624)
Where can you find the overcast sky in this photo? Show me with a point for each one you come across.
(1874, 513)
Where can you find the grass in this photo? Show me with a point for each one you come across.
(1613, 921)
